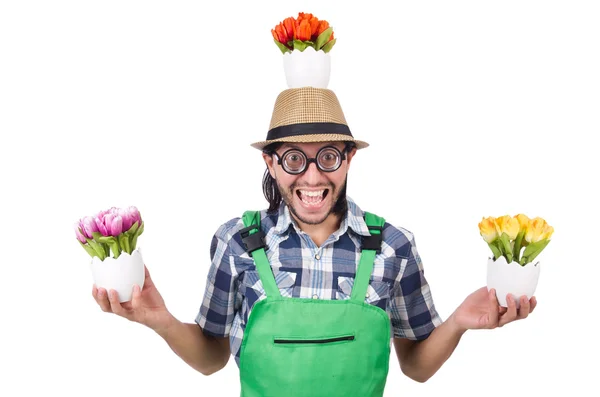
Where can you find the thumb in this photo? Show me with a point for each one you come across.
(493, 309)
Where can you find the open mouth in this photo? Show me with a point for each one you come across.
(312, 197)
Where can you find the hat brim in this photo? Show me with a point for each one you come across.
(311, 139)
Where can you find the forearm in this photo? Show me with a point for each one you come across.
(203, 353)
(426, 357)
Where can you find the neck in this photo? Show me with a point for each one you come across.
(321, 232)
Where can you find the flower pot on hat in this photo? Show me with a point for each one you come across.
(515, 242)
(305, 42)
(308, 68)
(512, 278)
(110, 238)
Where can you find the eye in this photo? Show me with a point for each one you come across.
(329, 159)
(294, 160)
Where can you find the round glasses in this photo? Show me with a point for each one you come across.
(328, 159)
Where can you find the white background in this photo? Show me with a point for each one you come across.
(472, 109)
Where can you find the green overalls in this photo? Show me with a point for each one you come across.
(301, 347)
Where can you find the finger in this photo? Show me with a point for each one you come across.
(102, 299)
(492, 309)
(115, 305)
(532, 304)
(147, 278)
(524, 310)
(511, 313)
(136, 300)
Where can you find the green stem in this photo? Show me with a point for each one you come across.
(506, 248)
(495, 249)
(517, 247)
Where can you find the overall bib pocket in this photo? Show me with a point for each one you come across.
(378, 292)
(252, 288)
(312, 341)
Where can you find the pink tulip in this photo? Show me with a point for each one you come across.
(89, 226)
(134, 215)
(100, 214)
(80, 236)
(127, 222)
(100, 225)
(108, 218)
(116, 226)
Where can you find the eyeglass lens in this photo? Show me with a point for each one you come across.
(328, 159)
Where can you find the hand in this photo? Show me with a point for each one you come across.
(481, 310)
(146, 307)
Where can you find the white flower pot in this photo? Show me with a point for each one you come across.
(308, 68)
(512, 278)
(119, 274)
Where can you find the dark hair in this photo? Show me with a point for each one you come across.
(273, 196)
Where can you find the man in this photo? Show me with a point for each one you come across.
(312, 303)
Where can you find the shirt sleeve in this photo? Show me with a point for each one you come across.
(219, 304)
(413, 313)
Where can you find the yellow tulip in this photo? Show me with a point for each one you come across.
(548, 231)
(488, 229)
(509, 225)
(538, 230)
(523, 221)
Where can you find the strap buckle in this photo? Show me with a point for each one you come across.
(253, 241)
(373, 242)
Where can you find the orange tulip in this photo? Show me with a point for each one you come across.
(289, 24)
(306, 27)
(280, 33)
(323, 25)
(303, 31)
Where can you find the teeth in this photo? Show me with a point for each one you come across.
(311, 197)
(312, 194)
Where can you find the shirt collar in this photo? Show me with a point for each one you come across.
(353, 220)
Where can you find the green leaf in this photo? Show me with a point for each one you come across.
(113, 243)
(327, 47)
(282, 47)
(495, 250)
(135, 236)
(533, 250)
(323, 38)
(506, 248)
(133, 227)
(124, 242)
(100, 251)
(518, 245)
(88, 249)
(300, 45)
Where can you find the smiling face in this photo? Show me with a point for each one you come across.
(311, 195)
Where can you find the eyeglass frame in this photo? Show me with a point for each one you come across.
(342, 154)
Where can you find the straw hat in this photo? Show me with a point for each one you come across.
(308, 114)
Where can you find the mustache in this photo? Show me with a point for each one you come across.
(297, 186)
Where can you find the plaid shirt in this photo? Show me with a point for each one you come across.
(303, 270)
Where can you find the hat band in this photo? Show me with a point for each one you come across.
(285, 131)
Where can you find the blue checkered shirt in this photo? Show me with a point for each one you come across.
(304, 270)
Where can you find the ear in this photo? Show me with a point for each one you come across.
(350, 155)
(269, 162)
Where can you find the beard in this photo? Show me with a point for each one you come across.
(288, 198)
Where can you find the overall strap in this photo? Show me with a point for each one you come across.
(371, 245)
(254, 240)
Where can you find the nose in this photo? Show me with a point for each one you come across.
(312, 175)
